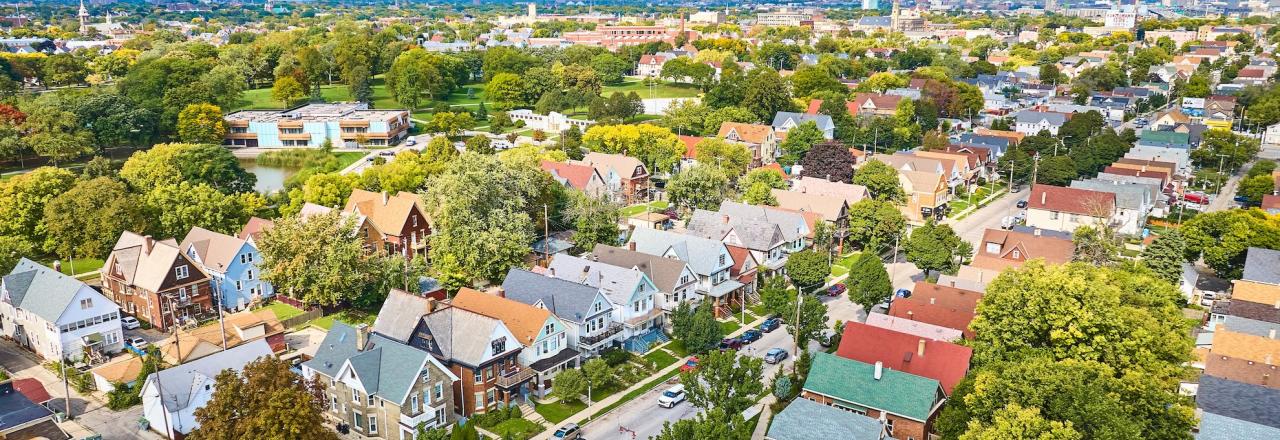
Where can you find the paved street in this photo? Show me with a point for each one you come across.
(971, 228)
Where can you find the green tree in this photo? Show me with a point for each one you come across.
(868, 282)
(23, 199)
(319, 260)
(175, 209)
(595, 220)
(418, 76)
(880, 179)
(281, 405)
(1097, 245)
(201, 124)
(505, 91)
(714, 424)
(1057, 170)
(696, 327)
(766, 94)
(934, 248)
(698, 188)
(810, 79)
(732, 158)
(1254, 188)
(480, 144)
(610, 67)
(770, 178)
(725, 381)
(286, 90)
(13, 249)
(808, 269)
(874, 223)
(55, 133)
(87, 220)
(657, 147)
(799, 140)
(440, 150)
(1166, 255)
(1014, 421)
(569, 385)
(599, 373)
(715, 118)
(1223, 238)
(759, 193)
(172, 164)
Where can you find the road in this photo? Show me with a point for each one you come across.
(1225, 198)
(972, 227)
(420, 142)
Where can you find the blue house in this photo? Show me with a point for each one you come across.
(232, 265)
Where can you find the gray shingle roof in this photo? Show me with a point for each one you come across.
(179, 382)
(1238, 400)
(1254, 327)
(566, 299)
(617, 283)
(1216, 427)
(1262, 265)
(790, 223)
(805, 419)
(823, 121)
(386, 367)
(664, 272)
(1127, 196)
(1034, 117)
(755, 234)
(462, 335)
(399, 314)
(702, 254)
(54, 291)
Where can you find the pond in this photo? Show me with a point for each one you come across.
(270, 179)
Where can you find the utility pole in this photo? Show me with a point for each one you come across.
(1222, 179)
(1035, 168)
(546, 237)
(66, 387)
(217, 286)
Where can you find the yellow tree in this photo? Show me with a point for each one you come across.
(201, 124)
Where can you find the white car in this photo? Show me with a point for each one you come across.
(671, 397)
(130, 323)
(138, 343)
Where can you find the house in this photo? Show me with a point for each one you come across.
(1133, 203)
(155, 281)
(906, 402)
(1220, 107)
(905, 161)
(651, 65)
(630, 292)
(253, 229)
(816, 104)
(943, 361)
(927, 195)
(875, 104)
(830, 208)
(770, 233)
(1237, 410)
(709, 259)
(23, 414)
(479, 352)
(584, 310)
(1065, 209)
(915, 328)
(966, 168)
(785, 121)
(1169, 118)
(675, 280)
(543, 335)
(57, 316)
(625, 177)
(1164, 146)
(1001, 249)
(170, 397)
(1031, 122)
(235, 329)
(805, 419)
(1255, 300)
(945, 306)
(381, 387)
(1260, 266)
(850, 193)
(759, 139)
(232, 264)
(399, 223)
(577, 176)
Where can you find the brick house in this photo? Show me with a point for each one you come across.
(155, 282)
(626, 178)
(399, 223)
(907, 402)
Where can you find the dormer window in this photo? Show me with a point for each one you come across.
(721, 259)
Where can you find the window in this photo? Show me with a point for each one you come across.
(370, 400)
(551, 328)
(180, 272)
(373, 424)
(721, 260)
(439, 390)
(250, 273)
(238, 286)
(250, 255)
(888, 426)
(1053, 215)
(357, 419)
(355, 396)
(1017, 254)
(489, 397)
(333, 402)
(243, 259)
(479, 400)
(86, 303)
(478, 378)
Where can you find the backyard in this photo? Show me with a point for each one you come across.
(655, 206)
(351, 317)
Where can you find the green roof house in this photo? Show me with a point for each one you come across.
(907, 403)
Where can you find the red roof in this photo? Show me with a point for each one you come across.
(1135, 173)
(944, 306)
(577, 175)
(740, 256)
(1072, 200)
(690, 145)
(1270, 202)
(775, 167)
(814, 104)
(32, 389)
(942, 361)
(881, 101)
(254, 227)
(1251, 72)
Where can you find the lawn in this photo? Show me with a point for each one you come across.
(959, 203)
(518, 429)
(351, 317)
(659, 359)
(81, 265)
(677, 347)
(346, 158)
(260, 99)
(659, 205)
(284, 311)
(661, 89)
(556, 412)
(727, 327)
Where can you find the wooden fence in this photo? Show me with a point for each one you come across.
(306, 316)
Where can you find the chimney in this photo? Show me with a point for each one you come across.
(551, 272)
(726, 218)
(911, 315)
(362, 336)
(879, 369)
(933, 300)
(431, 305)
(502, 293)
(631, 246)
(1042, 197)
(384, 198)
(147, 244)
(920, 348)
(57, 265)
(586, 271)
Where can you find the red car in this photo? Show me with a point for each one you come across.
(836, 289)
(690, 365)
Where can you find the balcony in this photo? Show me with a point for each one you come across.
(641, 320)
(607, 334)
(512, 377)
(428, 416)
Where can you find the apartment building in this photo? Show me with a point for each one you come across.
(311, 125)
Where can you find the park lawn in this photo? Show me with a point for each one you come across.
(283, 311)
(82, 265)
(663, 89)
(260, 99)
(346, 158)
(518, 429)
(659, 205)
(660, 359)
(556, 412)
(350, 317)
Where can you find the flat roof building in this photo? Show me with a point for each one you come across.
(312, 124)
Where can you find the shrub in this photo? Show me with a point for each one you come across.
(615, 357)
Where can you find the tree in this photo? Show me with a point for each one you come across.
(799, 140)
(1098, 245)
(451, 124)
(829, 161)
(657, 147)
(56, 134)
(505, 91)
(87, 220)
(759, 193)
(715, 118)
(810, 79)
(599, 373)
(440, 150)
(595, 220)
(479, 144)
(175, 209)
(286, 90)
(766, 94)
(813, 319)
(318, 260)
(696, 327)
(874, 223)
(868, 282)
(264, 400)
(1254, 188)
(881, 82)
(569, 385)
(610, 67)
(1014, 421)
(732, 158)
(698, 188)
(714, 424)
(725, 381)
(1225, 148)
(24, 197)
(808, 269)
(13, 249)
(1223, 238)
(417, 76)
(1166, 255)
(934, 247)
(770, 178)
(201, 124)
(880, 179)
(1057, 171)
(172, 164)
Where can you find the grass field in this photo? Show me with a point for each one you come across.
(556, 412)
(659, 358)
(82, 265)
(351, 317)
(283, 311)
(661, 89)
(657, 206)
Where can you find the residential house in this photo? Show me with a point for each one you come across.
(1167, 170)
(379, 386)
(709, 259)
(946, 306)
(480, 353)
(927, 195)
(675, 280)
(804, 419)
(947, 167)
(1168, 119)
(651, 65)
(155, 281)
(915, 328)
(544, 336)
(56, 315)
(1065, 209)
(965, 167)
(1260, 266)
(832, 209)
(584, 310)
(1164, 146)
(759, 139)
(907, 403)
(816, 104)
(1133, 203)
(993, 144)
(850, 193)
(1001, 249)
(745, 270)
(232, 264)
(24, 412)
(943, 361)
(631, 293)
(626, 178)
(1032, 122)
(785, 121)
(171, 397)
(253, 229)
(770, 233)
(1251, 76)
(1220, 107)
(399, 223)
(1255, 300)
(1237, 410)
(577, 176)
(235, 329)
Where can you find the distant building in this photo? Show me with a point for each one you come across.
(553, 122)
(342, 124)
(783, 18)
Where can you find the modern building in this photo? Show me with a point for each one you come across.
(57, 316)
(550, 123)
(170, 397)
(312, 125)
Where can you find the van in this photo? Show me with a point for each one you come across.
(672, 396)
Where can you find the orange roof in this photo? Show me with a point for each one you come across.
(753, 133)
(1255, 292)
(690, 145)
(388, 213)
(1012, 136)
(524, 321)
(1245, 346)
(775, 167)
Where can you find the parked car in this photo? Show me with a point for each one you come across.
(689, 365)
(1007, 222)
(569, 432)
(902, 293)
(836, 289)
(749, 336)
(730, 344)
(130, 323)
(826, 337)
(138, 343)
(672, 396)
(387, 153)
(770, 325)
(1022, 204)
(411, 142)
(775, 355)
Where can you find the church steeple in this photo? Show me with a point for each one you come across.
(84, 18)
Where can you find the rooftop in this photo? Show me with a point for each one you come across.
(895, 392)
(943, 361)
(317, 113)
(805, 419)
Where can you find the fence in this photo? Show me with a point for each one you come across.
(295, 321)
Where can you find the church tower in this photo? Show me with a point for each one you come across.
(84, 18)
(895, 17)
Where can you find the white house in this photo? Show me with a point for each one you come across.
(632, 294)
(553, 122)
(56, 315)
(1031, 122)
(190, 386)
